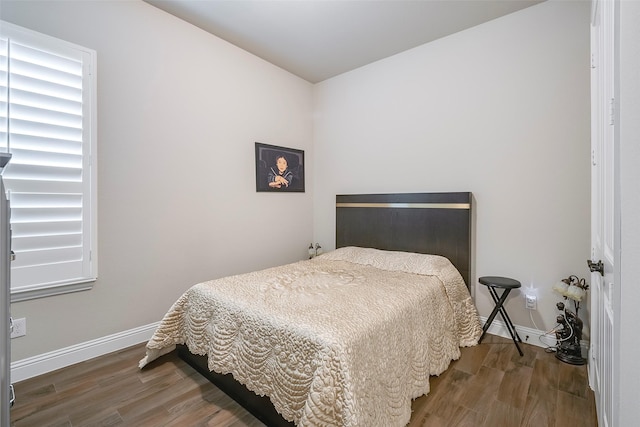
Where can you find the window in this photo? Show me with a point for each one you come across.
(48, 124)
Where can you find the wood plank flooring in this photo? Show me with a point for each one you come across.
(490, 385)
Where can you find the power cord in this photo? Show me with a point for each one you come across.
(551, 348)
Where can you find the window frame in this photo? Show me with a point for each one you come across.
(89, 233)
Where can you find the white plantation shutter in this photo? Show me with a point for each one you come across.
(50, 130)
(4, 88)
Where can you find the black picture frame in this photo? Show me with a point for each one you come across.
(269, 178)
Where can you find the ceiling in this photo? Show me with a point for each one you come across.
(319, 39)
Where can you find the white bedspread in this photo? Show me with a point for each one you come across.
(346, 339)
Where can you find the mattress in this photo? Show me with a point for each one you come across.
(348, 338)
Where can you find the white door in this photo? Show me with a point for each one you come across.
(603, 125)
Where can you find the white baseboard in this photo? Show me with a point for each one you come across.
(535, 336)
(48, 362)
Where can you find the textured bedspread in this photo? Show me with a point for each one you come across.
(345, 339)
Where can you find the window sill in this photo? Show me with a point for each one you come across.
(43, 291)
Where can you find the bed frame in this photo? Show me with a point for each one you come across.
(431, 223)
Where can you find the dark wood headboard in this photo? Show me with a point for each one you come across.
(429, 223)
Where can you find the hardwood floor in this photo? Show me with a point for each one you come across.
(490, 385)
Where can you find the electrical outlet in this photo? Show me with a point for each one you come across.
(19, 328)
(531, 302)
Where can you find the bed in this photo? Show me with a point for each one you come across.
(348, 338)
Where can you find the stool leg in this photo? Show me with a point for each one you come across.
(496, 309)
(507, 320)
(499, 308)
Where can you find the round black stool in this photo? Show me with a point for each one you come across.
(506, 284)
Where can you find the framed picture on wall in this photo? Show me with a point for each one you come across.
(279, 169)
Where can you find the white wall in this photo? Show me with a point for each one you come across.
(178, 114)
(627, 378)
(501, 110)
